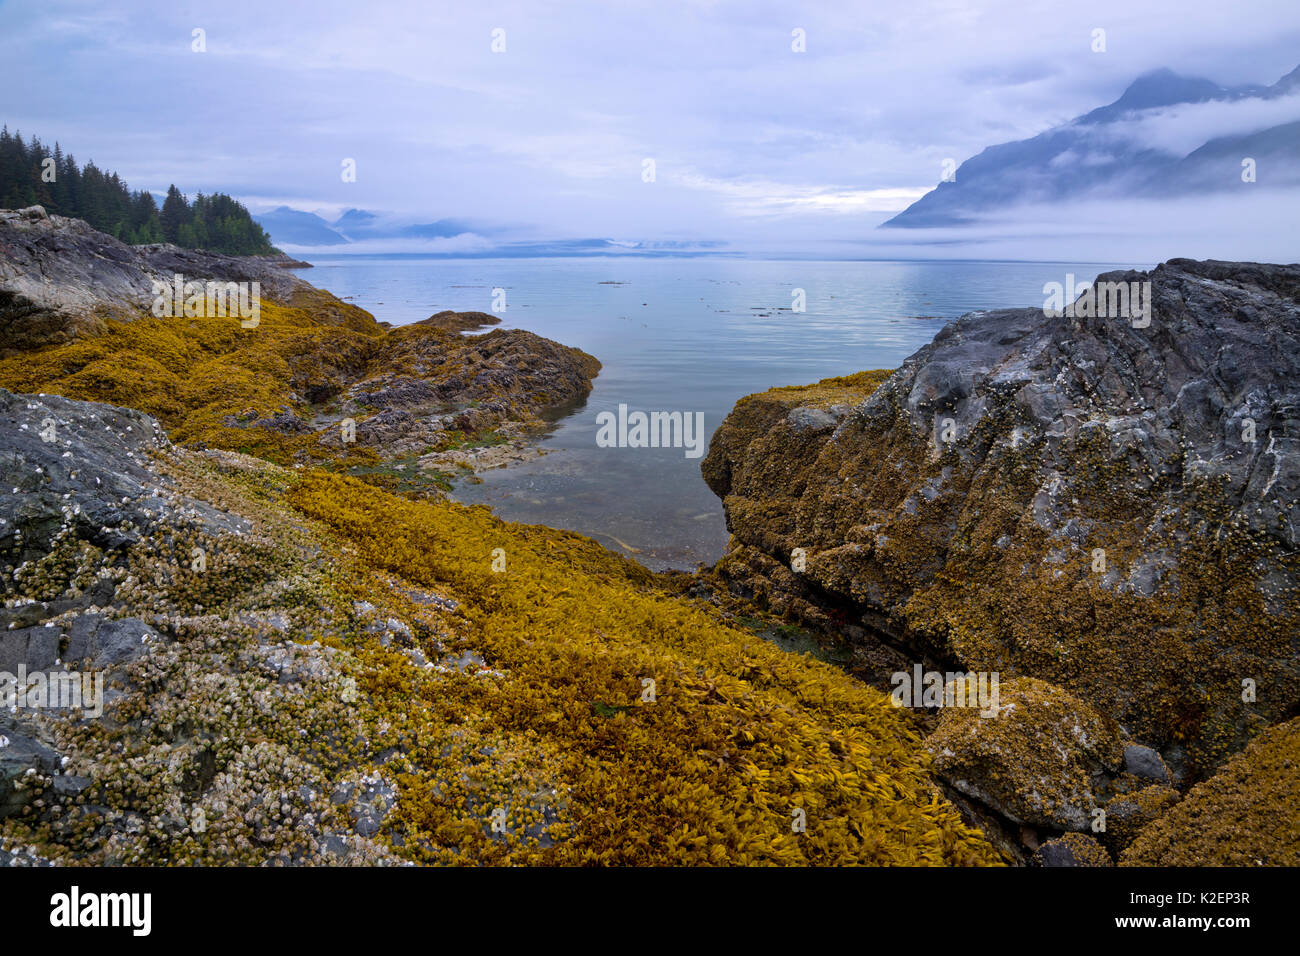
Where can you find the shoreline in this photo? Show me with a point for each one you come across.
(337, 585)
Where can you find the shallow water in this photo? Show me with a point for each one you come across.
(690, 335)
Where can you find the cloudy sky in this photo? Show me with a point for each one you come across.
(751, 141)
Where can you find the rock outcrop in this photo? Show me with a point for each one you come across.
(1104, 504)
(59, 278)
(419, 401)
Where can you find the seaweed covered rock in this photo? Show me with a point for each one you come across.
(1245, 815)
(1105, 503)
(426, 383)
(1039, 761)
(1129, 814)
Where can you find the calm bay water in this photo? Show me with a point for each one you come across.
(690, 335)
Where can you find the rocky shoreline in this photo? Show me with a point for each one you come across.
(313, 379)
(302, 669)
(310, 656)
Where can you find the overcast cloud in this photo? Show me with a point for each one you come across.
(752, 142)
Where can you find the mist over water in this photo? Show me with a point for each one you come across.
(689, 335)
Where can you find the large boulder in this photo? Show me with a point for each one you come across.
(1107, 504)
(1072, 849)
(1042, 759)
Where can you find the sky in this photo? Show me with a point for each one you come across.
(548, 136)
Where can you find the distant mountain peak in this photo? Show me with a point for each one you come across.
(1078, 158)
(354, 217)
(1162, 87)
(295, 227)
(1288, 83)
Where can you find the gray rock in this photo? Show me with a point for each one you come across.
(1054, 853)
(810, 419)
(1146, 763)
(36, 648)
(22, 757)
(1073, 850)
(100, 643)
(82, 468)
(70, 785)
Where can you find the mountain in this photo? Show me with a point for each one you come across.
(298, 228)
(355, 223)
(289, 226)
(1122, 150)
(358, 224)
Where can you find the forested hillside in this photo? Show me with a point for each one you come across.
(31, 173)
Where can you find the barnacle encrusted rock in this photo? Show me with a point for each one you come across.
(1105, 504)
(1038, 761)
(1072, 849)
(188, 748)
(1245, 815)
